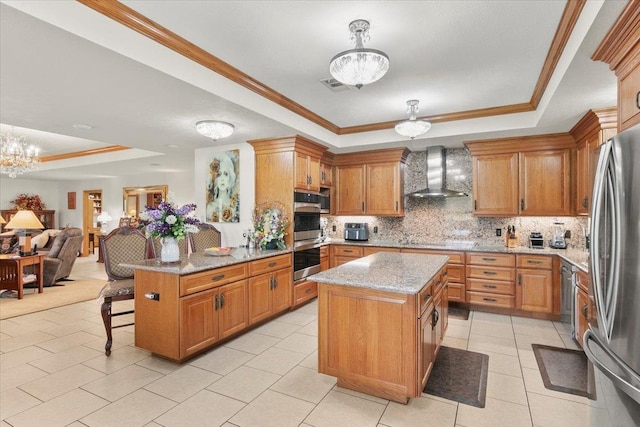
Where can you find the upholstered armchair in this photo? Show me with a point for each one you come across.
(62, 255)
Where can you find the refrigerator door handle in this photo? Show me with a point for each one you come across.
(627, 385)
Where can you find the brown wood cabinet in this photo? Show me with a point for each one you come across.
(341, 254)
(370, 183)
(621, 50)
(326, 169)
(456, 279)
(491, 279)
(270, 291)
(307, 169)
(534, 290)
(522, 176)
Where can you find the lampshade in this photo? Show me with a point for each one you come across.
(104, 218)
(214, 129)
(413, 127)
(24, 220)
(358, 67)
(2, 220)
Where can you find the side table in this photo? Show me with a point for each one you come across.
(12, 275)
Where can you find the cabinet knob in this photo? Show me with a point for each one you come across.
(585, 202)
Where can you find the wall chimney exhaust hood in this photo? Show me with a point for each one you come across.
(436, 176)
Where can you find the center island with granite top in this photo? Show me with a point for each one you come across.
(187, 307)
(381, 320)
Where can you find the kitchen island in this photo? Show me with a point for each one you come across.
(381, 320)
(185, 308)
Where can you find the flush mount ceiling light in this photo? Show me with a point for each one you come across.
(16, 157)
(358, 67)
(214, 129)
(413, 127)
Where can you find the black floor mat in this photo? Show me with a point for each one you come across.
(565, 370)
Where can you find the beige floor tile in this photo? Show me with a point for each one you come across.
(25, 340)
(277, 329)
(252, 343)
(119, 358)
(17, 326)
(455, 342)
(570, 342)
(59, 361)
(244, 384)
(205, 407)
(276, 360)
(492, 329)
(528, 321)
(496, 413)
(481, 344)
(342, 410)
(306, 384)
(183, 383)
(503, 364)
(61, 411)
(527, 358)
(221, 360)
(299, 343)
(310, 329)
(525, 341)
(361, 395)
(310, 308)
(491, 317)
(562, 328)
(298, 318)
(20, 375)
(120, 383)
(272, 409)
(19, 357)
(14, 401)
(535, 331)
(547, 411)
(66, 342)
(311, 361)
(61, 382)
(506, 387)
(136, 409)
(457, 331)
(421, 411)
(159, 364)
(121, 339)
(78, 325)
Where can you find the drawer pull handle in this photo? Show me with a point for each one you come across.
(534, 262)
(488, 259)
(444, 274)
(221, 300)
(271, 283)
(152, 296)
(490, 299)
(438, 282)
(216, 303)
(306, 291)
(273, 264)
(638, 100)
(426, 297)
(436, 317)
(348, 250)
(217, 277)
(489, 286)
(489, 273)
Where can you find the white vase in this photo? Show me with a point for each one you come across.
(170, 251)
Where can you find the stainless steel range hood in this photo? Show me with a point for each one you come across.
(436, 176)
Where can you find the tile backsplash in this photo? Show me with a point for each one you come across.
(434, 220)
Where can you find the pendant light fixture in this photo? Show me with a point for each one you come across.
(413, 127)
(214, 129)
(358, 67)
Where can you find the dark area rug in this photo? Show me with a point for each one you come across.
(459, 375)
(459, 313)
(565, 370)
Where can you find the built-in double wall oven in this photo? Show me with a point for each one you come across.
(306, 234)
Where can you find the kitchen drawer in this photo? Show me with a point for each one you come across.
(455, 273)
(456, 292)
(494, 300)
(498, 260)
(492, 286)
(350, 251)
(424, 297)
(440, 279)
(210, 279)
(454, 257)
(324, 251)
(266, 265)
(369, 250)
(304, 291)
(582, 280)
(491, 273)
(339, 260)
(534, 261)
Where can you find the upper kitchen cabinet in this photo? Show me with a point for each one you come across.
(326, 169)
(307, 167)
(522, 176)
(590, 132)
(371, 182)
(621, 50)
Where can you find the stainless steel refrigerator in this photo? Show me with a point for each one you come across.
(613, 342)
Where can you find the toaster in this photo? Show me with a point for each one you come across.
(536, 241)
(356, 231)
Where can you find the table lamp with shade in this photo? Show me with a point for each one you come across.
(104, 218)
(23, 221)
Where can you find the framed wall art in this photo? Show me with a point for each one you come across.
(222, 187)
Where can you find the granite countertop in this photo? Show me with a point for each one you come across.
(577, 257)
(385, 271)
(196, 262)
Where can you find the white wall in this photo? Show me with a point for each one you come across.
(47, 190)
(231, 232)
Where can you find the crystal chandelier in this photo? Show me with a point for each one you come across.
(358, 67)
(214, 129)
(15, 156)
(413, 127)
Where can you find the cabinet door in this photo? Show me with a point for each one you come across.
(313, 169)
(426, 346)
(302, 171)
(198, 326)
(534, 290)
(282, 290)
(444, 316)
(629, 98)
(545, 182)
(232, 313)
(583, 190)
(260, 297)
(326, 175)
(495, 185)
(383, 189)
(438, 308)
(350, 190)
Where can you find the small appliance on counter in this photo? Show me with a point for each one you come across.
(557, 240)
(356, 231)
(536, 241)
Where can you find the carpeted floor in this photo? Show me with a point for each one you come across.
(565, 370)
(54, 296)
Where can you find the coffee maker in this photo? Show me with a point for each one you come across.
(557, 239)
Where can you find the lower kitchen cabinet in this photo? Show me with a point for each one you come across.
(269, 293)
(491, 279)
(455, 272)
(534, 290)
(427, 344)
(342, 254)
(585, 308)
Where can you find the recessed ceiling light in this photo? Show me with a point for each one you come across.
(81, 126)
(155, 164)
(172, 146)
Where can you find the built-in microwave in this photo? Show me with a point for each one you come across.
(325, 203)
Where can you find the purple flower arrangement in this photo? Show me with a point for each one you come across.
(169, 220)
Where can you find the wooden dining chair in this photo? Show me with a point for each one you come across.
(123, 244)
(207, 237)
